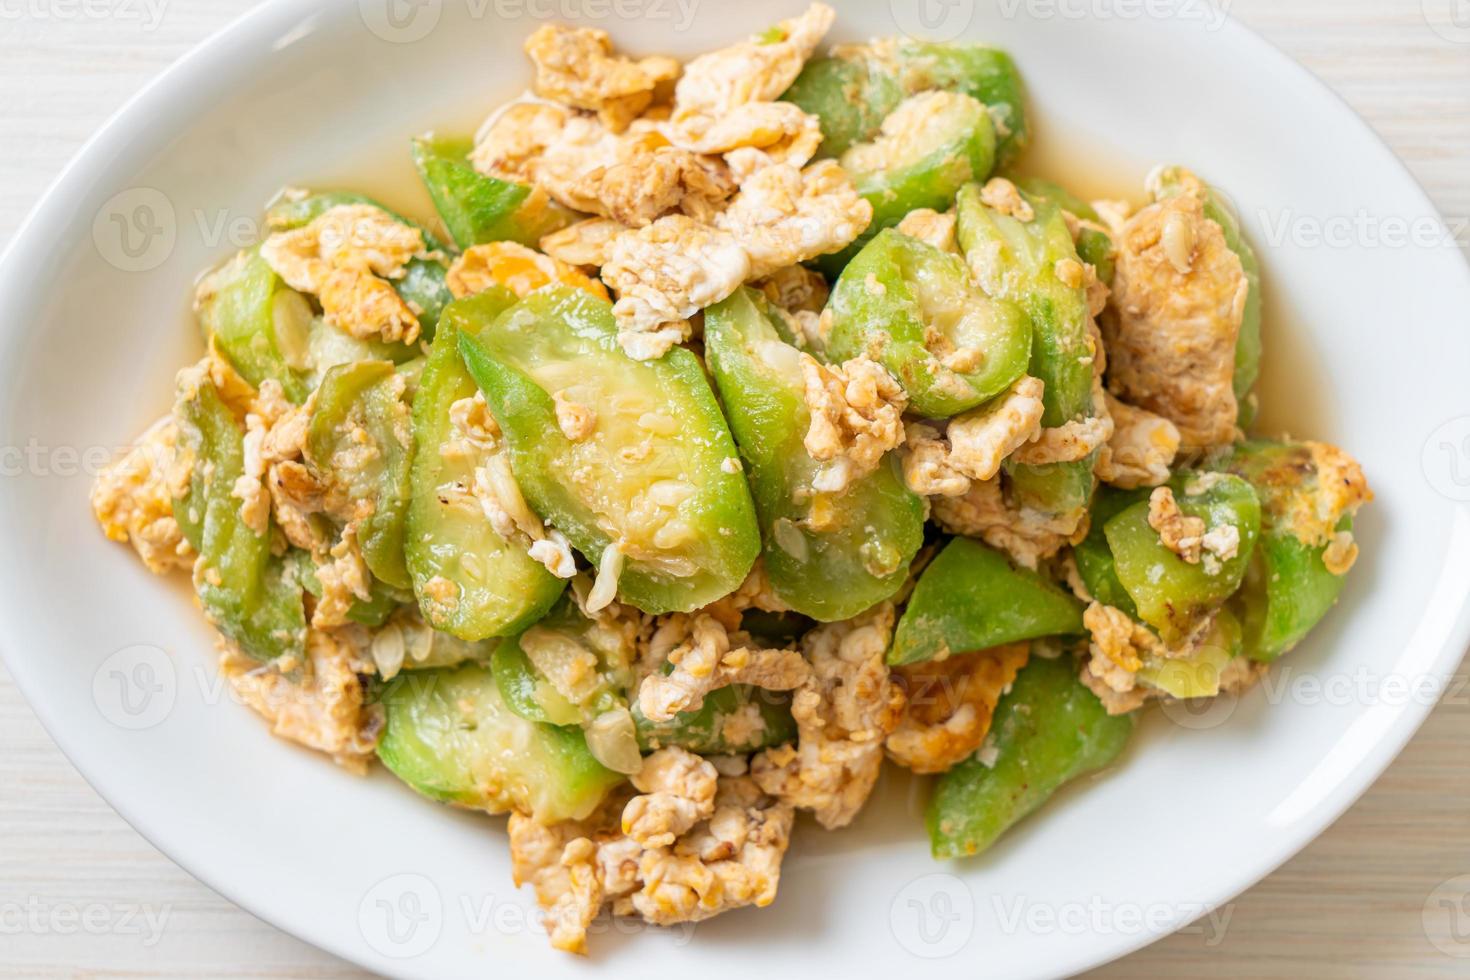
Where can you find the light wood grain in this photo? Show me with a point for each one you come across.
(1349, 906)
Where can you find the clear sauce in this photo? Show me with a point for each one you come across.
(1294, 399)
(387, 173)
(1090, 169)
(389, 177)
(1294, 396)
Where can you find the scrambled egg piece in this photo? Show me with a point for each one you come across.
(344, 578)
(1178, 301)
(709, 652)
(323, 708)
(295, 497)
(1341, 488)
(1001, 195)
(784, 215)
(926, 467)
(1180, 534)
(561, 865)
(1026, 535)
(577, 67)
(575, 420)
(1117, 650)
(638, 189)
(1068, 442)
(725, 100)
(516, 267)
(856, 416)
(664, 274)
(729, 858)
(949, 704)
(753, 136)
(345, 258)
(133, 499)
(678, 790)
(982, 438)
(1119, 641)
(975, 443)
(274, 451)
(249, 488)
(632, 177)
(933, 227)
(1142, 447)
(755, 70)
(587, 243)
(511, 142)
(843, 712)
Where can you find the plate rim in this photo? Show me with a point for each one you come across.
(249, 36)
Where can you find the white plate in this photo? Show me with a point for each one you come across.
(1366, 346)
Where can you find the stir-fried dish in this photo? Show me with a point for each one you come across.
(735, 426)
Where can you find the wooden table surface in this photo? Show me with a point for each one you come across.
(77, 885)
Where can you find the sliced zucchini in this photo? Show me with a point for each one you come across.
(451, 736)
(478, 209)
(469, 580)
(916, 310)
(652, 476)
(258, 323)
(829, 556)
(724, 725)
(1288, 587)
(971, 598)
(1170, 594)
(567, 669)
(1093, 556)
(930, 146)
(359, 439)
